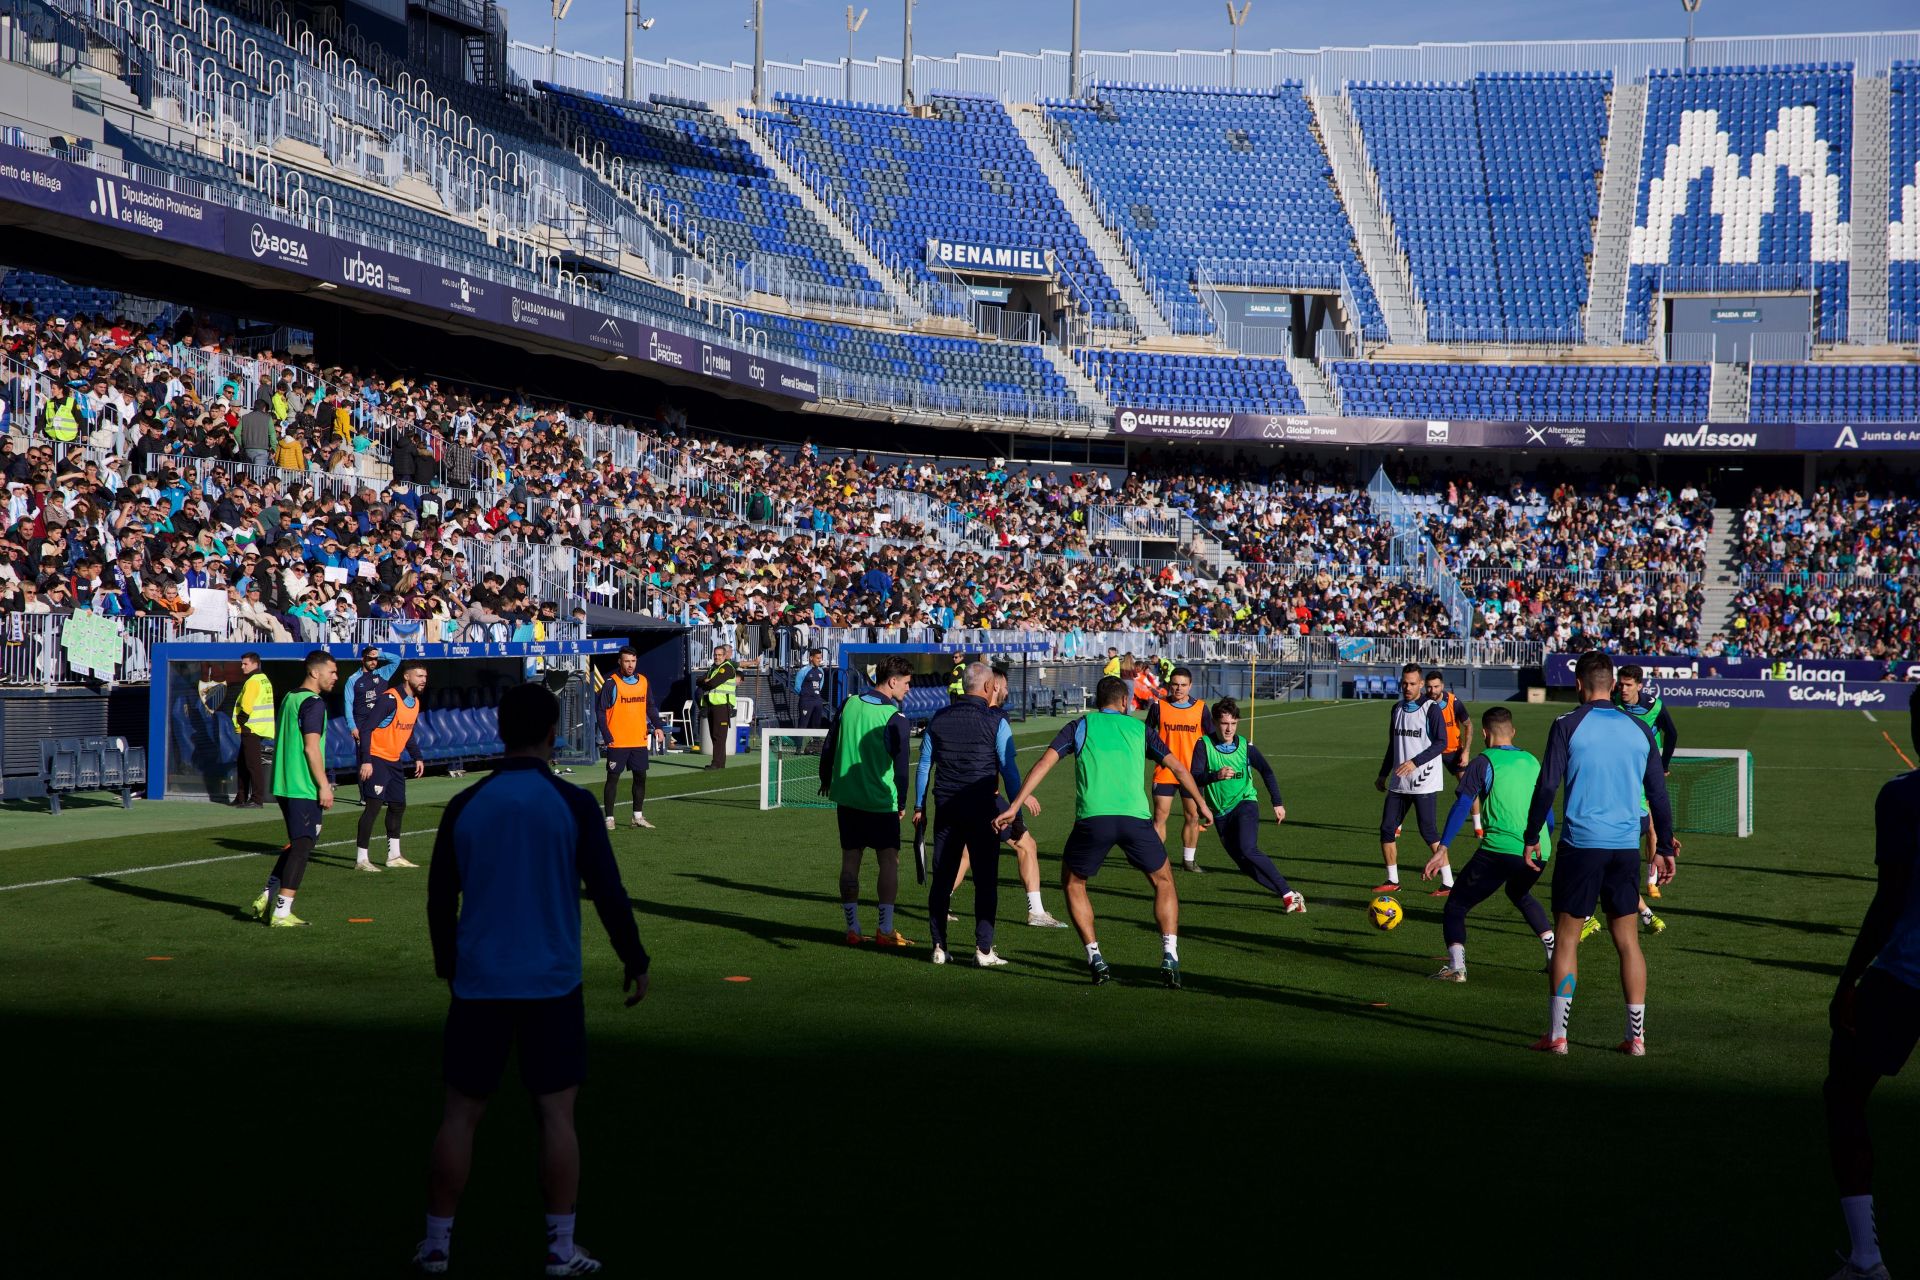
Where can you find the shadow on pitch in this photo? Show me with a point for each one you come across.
(1796, 872)
(1819, 968)
(147, 893)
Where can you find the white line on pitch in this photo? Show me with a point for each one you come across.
(1869, 715)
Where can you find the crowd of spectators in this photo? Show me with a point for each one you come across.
(1843, 528)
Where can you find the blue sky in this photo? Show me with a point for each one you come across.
(714, 30)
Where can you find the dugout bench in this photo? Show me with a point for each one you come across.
(91, 764)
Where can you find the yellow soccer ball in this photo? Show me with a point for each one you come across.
(1384, 913)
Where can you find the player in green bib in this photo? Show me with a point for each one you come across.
(1111, 751)
(1502, 779)
(300, 784)
(1630, 696)
(1224, 765)
(863, 769)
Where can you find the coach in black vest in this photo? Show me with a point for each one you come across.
(970, 749)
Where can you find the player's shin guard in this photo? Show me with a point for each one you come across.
(610, 792)
(364, 832)
(396, 817)
(639, 792)
(293, 863)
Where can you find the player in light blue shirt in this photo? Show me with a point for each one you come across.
(1876, 1010)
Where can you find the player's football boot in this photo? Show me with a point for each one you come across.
(1444, 891)
(882, 938)
(259, 908)
(1097, 969)
(1655, 923)
(1547, 1044)
(1296, 903)
(640, 821)
(403, 864)
(855, 938)
(1387, 886)
(1450, 974)
(429, 1262)
(1194, 867)
(1847, 1271)
(1170, 973)
(364, 864)
(1653, 891)
(989, 959)
(939, 954)
(580, 1264)
(1044, 920)
(1593, 925)
(610, 822)
(1633, 1047)
(287, 921)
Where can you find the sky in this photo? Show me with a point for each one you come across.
(716, 31)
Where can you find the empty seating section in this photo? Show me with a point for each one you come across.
(1197, 384)
(958, 373)
(1745, 171)
(1544, 136)
(1834, 393)
(1526, 393)
(51, 296)
(1903, 204)
(1238, 178)
(961, 174)
(696, 163)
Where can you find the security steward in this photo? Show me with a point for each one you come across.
(719, 691)
(253, 720)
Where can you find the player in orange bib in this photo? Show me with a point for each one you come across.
(629, 724)
(1146, 688)
(1459, 748)
(386, 738)
(1182, 721)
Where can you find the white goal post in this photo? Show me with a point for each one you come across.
(1715, 790)
(790, 768)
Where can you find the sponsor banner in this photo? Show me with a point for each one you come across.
(532, 313)
(1784, 695)
(1718, 437)
(61, 187)
(787, 379)
(605, 333)
(1559, 669)
(998, 295)
(462, 294)
(1846, 437)
(277, 244)
(676, 351)
(376, 271)
(989, 259)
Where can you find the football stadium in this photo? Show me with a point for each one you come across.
(1320, 640)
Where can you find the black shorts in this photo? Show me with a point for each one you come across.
(1886, 1025)
(388, 784)
(551, 1036)
(1093, 838)
(634, 758)
(1394, 812)
(1455, 764)
(1166, 788)
(1584, 879)
(1016, 830)
(862, 829)
(303, 817)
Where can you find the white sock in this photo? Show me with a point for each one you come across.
(1858, 1211)
(1034, 905)
(1646, 915)
(1653, 877)
(1636, 1022)
(1478, 826)
(1188, 854)
(1093, 951)
(393, 848)
(1446, 875)
(560, 1235)
(1170, 943)
(1546, 940)
(886, 917)
(1393, 873)
(360, 855)
(852, 910)
(1562, 1007)
(1457, 956)
(439, 1233)
(283, 906)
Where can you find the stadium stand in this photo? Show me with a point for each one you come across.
(1903, 204)
(1206, 384)
(1493, 187)
(962, 173)
(690, 158)
(1230, 178)
(1834, 393)
(1745, 179)
(1509, 392)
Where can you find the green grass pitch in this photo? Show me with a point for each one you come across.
(259, 1103)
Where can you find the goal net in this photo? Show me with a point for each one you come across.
(790, 769)
(1712, 791)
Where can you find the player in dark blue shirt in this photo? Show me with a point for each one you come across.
(503, 911)
(1875, 1012)
(810, 683)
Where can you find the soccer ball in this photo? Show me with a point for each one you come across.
(1384, 913)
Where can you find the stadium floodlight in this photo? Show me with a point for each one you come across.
(634, 22)
(1692, 7)
(853, 24)
(560, 8)
(1073, 57)
(1237, 20)
(759, 24)
(906, 58)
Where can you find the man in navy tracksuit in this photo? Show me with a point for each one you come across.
(503, 908)
(1608, 760)
(972, 744)
(810, 682)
